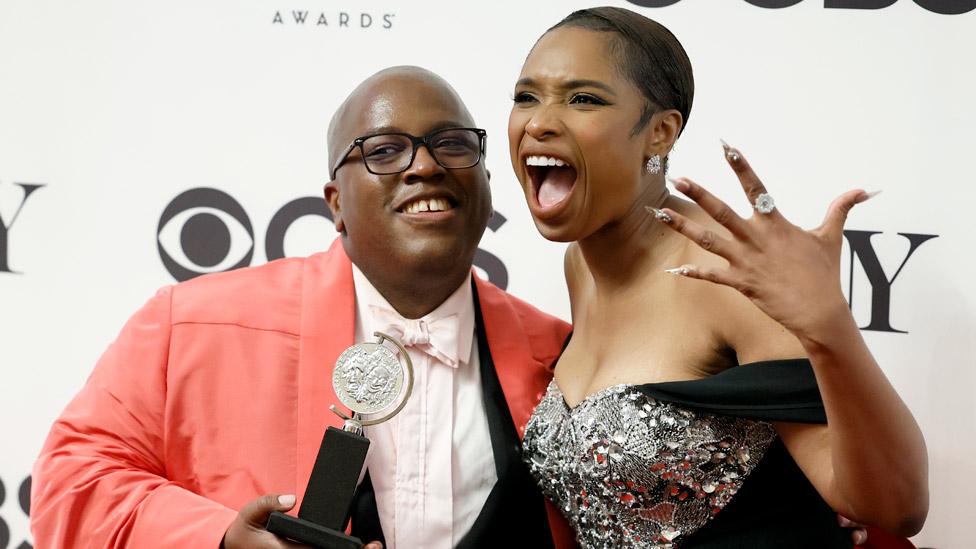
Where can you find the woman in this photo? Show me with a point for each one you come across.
(685, 412)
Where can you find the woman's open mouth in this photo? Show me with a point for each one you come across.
(552, 180)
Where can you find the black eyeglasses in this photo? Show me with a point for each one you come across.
(389, 153)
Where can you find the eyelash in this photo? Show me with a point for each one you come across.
(590, 99)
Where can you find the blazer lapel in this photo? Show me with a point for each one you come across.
(514, 497)
(523, 377)
(327, 329)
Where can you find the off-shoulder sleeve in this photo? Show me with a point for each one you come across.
(772, 390)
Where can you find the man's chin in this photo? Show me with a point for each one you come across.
(435, 255)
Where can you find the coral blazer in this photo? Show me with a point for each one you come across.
(218, 391)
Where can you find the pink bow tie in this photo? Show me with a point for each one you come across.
(437, 338)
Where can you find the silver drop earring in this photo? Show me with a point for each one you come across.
(653, 165)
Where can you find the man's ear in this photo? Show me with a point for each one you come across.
(331, 192)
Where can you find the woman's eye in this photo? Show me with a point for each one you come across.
(586, 99)
(523, 97)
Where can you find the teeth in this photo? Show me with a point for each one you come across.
(430, 205)
(544, 161)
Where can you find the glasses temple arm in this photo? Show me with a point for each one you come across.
(342, 158)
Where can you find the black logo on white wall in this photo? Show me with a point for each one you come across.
(880, 282)
(23, 500)
(204, 230)
(945, 7)
(7, 226)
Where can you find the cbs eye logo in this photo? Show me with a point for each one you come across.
(206, 230)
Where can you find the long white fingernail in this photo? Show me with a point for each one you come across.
(286, 500)
(870, 195)
(682, 271)
(729, 152)
(660, 215)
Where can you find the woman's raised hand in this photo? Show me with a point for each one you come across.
(791, 274)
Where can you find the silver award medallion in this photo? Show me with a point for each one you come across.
(368, 378)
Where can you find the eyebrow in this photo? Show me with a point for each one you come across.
(441, 125)
(571, 84)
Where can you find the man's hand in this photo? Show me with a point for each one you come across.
(247, 531)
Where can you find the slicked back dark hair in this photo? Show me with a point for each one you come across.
(648, 54)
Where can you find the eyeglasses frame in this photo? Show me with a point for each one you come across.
(415, 142)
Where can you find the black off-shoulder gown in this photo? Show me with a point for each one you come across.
(689, 464)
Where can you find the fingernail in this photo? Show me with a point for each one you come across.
(679, 184)
(660, 215)
(287, 500)
(870, 195)
(729, 153)
(681, 271)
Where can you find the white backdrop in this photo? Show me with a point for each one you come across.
(118, 106)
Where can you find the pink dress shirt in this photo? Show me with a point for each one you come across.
(431, 466)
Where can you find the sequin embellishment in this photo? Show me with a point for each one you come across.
(628, 470)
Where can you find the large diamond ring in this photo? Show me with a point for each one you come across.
(764, 203)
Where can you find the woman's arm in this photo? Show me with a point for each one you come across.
(870, 463)
(878, 459)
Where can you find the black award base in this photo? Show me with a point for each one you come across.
(328, 497)
(307, 532)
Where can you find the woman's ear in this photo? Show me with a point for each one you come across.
(662, 131)
(331, 193)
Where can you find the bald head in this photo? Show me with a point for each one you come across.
(376, 98)
(413, 232)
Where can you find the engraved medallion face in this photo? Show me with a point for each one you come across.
(367, 378)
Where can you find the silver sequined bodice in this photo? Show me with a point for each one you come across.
(628, 470)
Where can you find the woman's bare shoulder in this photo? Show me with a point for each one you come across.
(737, 321)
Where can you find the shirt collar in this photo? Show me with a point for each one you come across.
(461, 303)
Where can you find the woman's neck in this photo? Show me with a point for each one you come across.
(621, 252)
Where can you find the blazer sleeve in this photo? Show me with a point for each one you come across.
(100, 480)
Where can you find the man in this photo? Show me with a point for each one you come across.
(218, 390)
